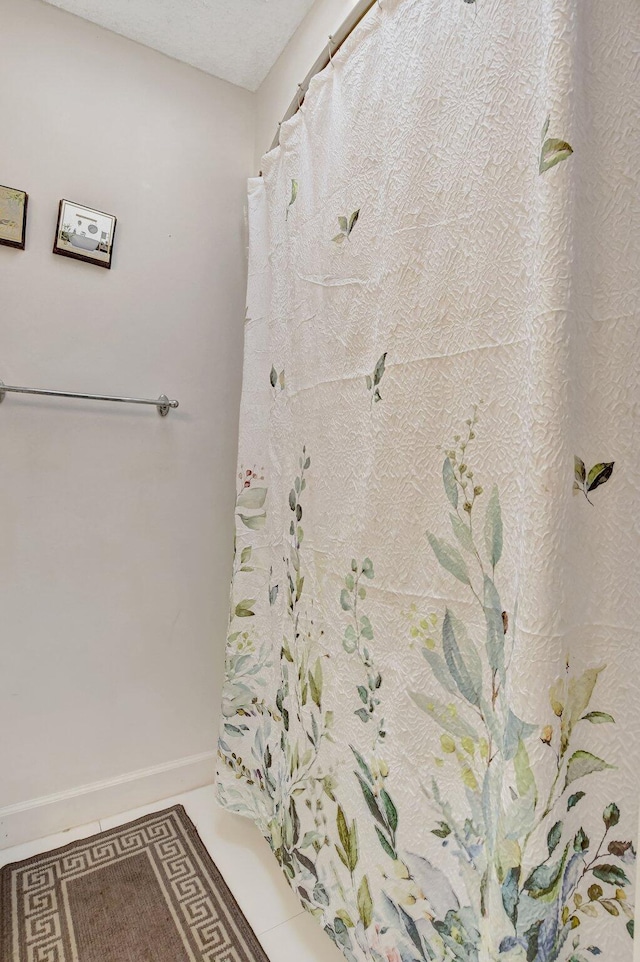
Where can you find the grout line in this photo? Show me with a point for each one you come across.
(272, 928)
(184, 799)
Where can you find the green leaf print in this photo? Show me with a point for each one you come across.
(450, 485)
(583, 763)
(462, 659)
(545, 128)
(611, 816)
(576, 698)
(450, 558)
(253, 521)
(495, 628)
(371, 801)
(574, 799)
(355, 637)
(525, 781)
(320, 894)
(447, 716)
(598, 475)
(379, 803)
(462, 533)
(442, 832)
(364, 768)
(544, 881)
(346, 225)
(252, 498)
(611, 874)
(511, 893)
(553, 837)
(493, 528)
(553, 150)
(244, 609)
(348, 836)
(315, 683)
(373, 380)
(379, 369)
(440, 671)
(365, 905)
(343, 916)
(599, 718)
(275, 379)
(581, 841)
(385, 844)
(390, 810)
(294, 194)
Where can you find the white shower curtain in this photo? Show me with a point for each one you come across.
(431, 704)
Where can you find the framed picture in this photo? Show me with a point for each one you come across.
(13, 217)
(85, 234)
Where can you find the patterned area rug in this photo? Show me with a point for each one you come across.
(146, 891)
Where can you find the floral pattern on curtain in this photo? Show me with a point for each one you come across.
(430, 706)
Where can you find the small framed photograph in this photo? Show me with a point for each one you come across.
(85, 234)
(13, 217)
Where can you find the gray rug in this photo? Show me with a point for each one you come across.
(147, 891)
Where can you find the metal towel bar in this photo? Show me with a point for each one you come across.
(162, 404)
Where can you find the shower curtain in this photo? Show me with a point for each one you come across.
(431, 703)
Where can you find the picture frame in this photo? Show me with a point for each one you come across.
(13, 217)
(84, 234)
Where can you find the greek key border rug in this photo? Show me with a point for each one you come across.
(146, 891)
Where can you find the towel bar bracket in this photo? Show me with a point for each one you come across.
(163, 405)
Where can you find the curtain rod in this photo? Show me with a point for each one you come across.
(336, 40)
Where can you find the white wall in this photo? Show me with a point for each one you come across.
(279, 88)
(116, 525)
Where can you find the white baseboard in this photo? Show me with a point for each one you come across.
(49, 814)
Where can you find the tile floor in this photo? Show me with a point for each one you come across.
(286, 931)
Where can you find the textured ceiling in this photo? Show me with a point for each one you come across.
(237, 40)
